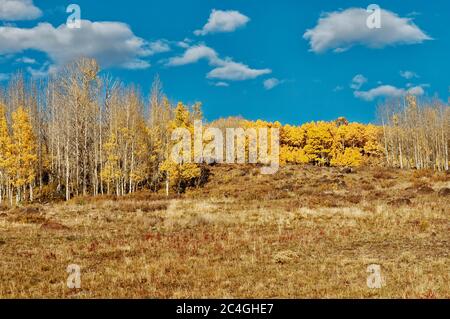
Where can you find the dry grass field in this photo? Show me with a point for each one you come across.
(306, 232)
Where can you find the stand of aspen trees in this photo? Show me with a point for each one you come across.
(79, 133)
(416, 135)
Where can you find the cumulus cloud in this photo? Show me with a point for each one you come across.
(158, 46)
(193, 55)
(341, 30)
(111, 43)
(235, 71)
(224, 69)
(417, 90)
(358, 81)
(15, 10)
(388, 91)
(408, 75)
(223, 21)
(184, 44)
(271, 83)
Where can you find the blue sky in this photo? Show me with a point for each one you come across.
(254, 58)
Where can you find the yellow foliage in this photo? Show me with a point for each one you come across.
(372, 136)
(111, 170)
(183, 175)
(293, 155)
(182, 118)
(24, 155)
(180, 173)
(294, 136)
(5, 144)
(319, 142)
(337, 143)
(350, 157)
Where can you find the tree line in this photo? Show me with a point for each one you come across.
(416, 134)
(79, 133)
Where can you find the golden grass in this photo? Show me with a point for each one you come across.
(306, 232)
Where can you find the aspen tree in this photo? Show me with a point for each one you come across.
(5, 155)
(111, 170)
(415, 133)
(180, 175)
(24, 155)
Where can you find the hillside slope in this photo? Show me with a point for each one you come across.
(305, 232)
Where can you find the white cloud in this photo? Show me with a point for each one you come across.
(358, 81)
(387, 91)
(111, 43)
(15, 10)
(225, 69)
(158, 46)
(193, 55)
(417, 90)
(338, 88)
(222, 84)
(271, 83)
(408, 75)
(4, 77)
(223, 21)
(381, 91)
(183, 44)
(340, 30)
(26, 60)
(43, 71)
(136, 64)
(234, 71)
